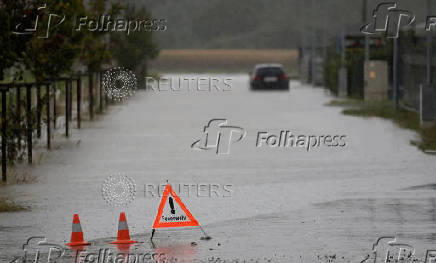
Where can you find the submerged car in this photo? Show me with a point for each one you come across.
(269, 76)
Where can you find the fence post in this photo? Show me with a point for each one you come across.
(106, 99)
(91, 95)
(54, 105)
(67, 107)
(429, 49)
(79, 103)
(47, 111)
(4, 138)
(38, 111)
(395, 88)
(70, 97)
(18, 116)
(101, 91)
(29, 122)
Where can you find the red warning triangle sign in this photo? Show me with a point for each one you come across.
(173, 217)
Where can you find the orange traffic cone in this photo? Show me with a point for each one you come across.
(77, 234)
(123, 232)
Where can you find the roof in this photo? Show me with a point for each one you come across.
(272, 65)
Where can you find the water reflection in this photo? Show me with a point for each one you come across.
(181, 251)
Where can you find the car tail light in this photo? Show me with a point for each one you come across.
(256, 77)
(283, 77)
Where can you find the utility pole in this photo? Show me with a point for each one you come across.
(303, 68)
(428, 92)
(343, 50)
(429, 49)
(365, 21)
(324, 35)
(324, 45)
(395, 73)
(343, 75)
(312, 42)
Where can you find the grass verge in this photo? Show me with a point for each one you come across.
(402, 117)
(9, 206)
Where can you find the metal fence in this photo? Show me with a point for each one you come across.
(22, 118)
(412, 69)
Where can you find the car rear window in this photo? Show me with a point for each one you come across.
(270, 71)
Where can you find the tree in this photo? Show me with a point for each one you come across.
(95, 47)
(134, 50)
(12, 46)
(50, 57)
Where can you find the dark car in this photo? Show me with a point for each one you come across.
(269, 76)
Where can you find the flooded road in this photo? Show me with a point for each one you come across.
(285, 204)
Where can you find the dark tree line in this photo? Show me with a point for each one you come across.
(261, 23)
(55, 55)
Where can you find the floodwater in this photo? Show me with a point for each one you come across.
(328, 204)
